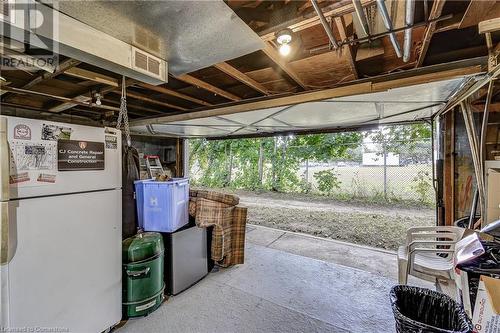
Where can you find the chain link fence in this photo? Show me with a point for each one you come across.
(376, 173)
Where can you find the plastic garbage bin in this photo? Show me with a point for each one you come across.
(419, 310)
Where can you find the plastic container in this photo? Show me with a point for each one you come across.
(162, 206)
(420, 310)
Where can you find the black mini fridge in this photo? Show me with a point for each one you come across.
(186, 260)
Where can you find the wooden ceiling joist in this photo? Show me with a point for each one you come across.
(437, 8)
(62, 67)
(74, 101)
(112, 84)
(274, 55)
(146, 99)
(207, 86)
(92, 76)
(167, 91)
(489, 26)
(242, 77)
(339, 22)
(132, 106)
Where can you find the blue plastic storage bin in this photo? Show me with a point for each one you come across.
(162, 206)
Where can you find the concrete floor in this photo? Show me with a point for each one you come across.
(289, 283)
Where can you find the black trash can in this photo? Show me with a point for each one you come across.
(419, 310)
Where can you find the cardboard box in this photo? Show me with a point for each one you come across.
(486, 318)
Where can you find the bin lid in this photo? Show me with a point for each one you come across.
(142, 246)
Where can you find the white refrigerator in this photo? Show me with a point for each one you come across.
(60, 226)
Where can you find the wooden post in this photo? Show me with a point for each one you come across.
(449, 168)
(261, 161)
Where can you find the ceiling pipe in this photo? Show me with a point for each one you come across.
(409, 18)
(358, 7)
(388, 25)
(325, 24)
(382, 34)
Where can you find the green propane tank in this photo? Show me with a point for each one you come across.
(142, 274)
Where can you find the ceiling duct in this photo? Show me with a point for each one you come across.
(388, 25)
(190, 35)
(409, 18)
(62, 34)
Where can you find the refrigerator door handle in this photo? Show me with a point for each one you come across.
(4, 161)
(4, 233)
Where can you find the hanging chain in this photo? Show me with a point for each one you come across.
(123, 115)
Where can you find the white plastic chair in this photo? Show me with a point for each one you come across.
(428, 253)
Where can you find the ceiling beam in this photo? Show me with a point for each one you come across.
(311, 19)
(63, 66)
(58, 98)
(170, 92)
(437, 8)
(242, 77)
(207, 86)
(133, 106)
(150, 100)
(92, 76)
(376, 84)
(339, 21)
(274, 55)
(84, 98)
(489, 26)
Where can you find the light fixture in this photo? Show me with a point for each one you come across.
(97, 98)
(285, 50)
(284, 38)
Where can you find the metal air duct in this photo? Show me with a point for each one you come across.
(409, 17)
(388, 25)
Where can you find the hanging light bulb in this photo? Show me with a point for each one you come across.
(98, 99)
(284, 38)
(285, 50)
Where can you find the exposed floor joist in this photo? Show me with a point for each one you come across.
(274, 55)
(170, 92)
(242, 77)
(207, 86)
(63, 66)
(340, 23)
(150, 100)
(92, 76)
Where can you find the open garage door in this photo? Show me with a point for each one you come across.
(395, 105)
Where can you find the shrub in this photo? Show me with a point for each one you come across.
(327, 180)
